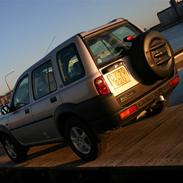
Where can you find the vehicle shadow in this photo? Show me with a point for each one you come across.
(46, 151)
(33, 155)
(8, 164)
(71, 164)
(56, 147)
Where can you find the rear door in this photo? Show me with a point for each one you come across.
(45, 100)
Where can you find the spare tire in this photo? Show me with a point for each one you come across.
(152, 57)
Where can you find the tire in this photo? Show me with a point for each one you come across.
(152, 57)
(81, 139)
(14, 150)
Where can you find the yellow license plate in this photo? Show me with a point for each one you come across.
(119, 78)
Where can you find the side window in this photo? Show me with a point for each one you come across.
(21, 96)
(43, 80)
(70, 66)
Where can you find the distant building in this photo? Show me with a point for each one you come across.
(172, 14)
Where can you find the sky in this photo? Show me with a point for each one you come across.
(28, 28)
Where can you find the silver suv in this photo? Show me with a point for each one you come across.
(95, 81)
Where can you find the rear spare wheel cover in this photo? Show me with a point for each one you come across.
(159, 54)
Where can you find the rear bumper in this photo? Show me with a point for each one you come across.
(105, 110)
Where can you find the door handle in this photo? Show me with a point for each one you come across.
(53, 99)
(27, 111)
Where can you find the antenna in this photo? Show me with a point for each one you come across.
(50, 44)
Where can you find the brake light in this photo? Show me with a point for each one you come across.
(128, 112)
(175, 81)
(130, 38)
(101, 86)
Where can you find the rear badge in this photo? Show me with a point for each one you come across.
(127, 96)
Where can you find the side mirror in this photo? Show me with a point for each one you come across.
(5, 109)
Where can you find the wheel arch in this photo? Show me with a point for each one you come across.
(64, 112)
(4, 131)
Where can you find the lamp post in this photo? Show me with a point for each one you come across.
(6, 79)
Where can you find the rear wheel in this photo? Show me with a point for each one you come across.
(81, 139)
(14, 150)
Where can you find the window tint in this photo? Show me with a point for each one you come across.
(43, 80)
(70, 66)
(21, 97)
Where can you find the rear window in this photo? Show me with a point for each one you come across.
(109, 45)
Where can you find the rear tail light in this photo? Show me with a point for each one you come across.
(175, 81)
(101, 86)
(128, 112)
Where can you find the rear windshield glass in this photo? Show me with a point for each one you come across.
(109, 45)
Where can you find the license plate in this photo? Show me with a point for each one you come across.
(119, 77)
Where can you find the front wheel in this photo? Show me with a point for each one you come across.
(14, 150)
(81, 139)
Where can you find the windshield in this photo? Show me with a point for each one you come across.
(109, 45)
